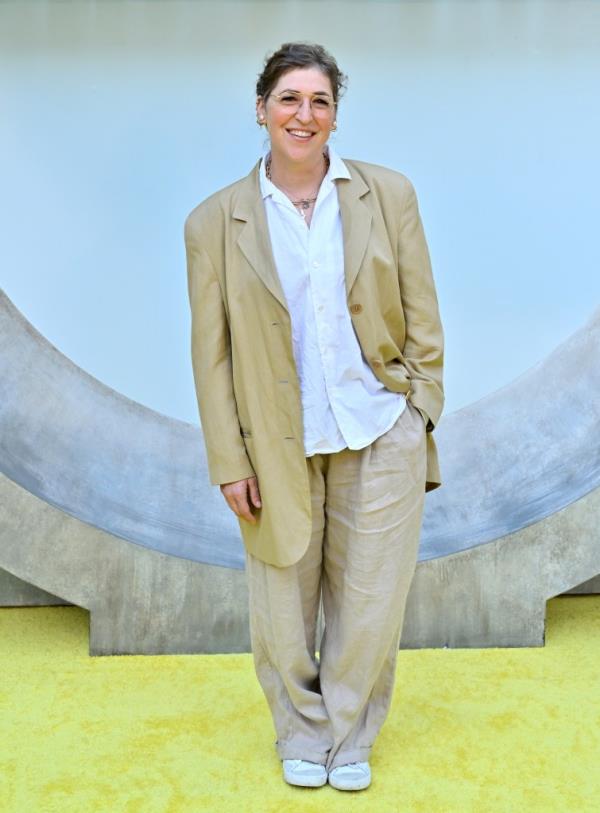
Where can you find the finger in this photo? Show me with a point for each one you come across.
(254, 492)
(230, 500)
(231, 497)
(243, 509)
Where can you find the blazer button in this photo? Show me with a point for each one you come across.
(356, 308)
(376, 362)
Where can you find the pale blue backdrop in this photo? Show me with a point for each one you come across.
(117, 118)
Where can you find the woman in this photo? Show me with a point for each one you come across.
(317, 351)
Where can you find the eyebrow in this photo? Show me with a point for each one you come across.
(316, 93)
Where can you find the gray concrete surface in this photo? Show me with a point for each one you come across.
(106, 504)
(141, 601)
(103, 458)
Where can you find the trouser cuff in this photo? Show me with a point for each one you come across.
(288, 750)
(361, 754)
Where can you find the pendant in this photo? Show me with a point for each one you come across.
(304, 205)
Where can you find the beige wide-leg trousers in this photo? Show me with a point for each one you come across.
(367, 510)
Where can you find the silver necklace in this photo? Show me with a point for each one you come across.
(303, 203)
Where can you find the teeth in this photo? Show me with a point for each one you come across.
(301, 133)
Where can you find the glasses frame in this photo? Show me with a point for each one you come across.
(310, 96)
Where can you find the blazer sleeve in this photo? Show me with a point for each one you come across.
(212, 367)
(424, 345)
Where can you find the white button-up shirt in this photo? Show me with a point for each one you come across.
(343, 403)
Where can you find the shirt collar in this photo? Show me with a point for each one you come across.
(337, 169)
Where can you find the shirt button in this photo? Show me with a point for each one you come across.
(356, 308)
(320, 308)
(315, 264)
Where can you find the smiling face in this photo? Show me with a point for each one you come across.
(298, 136)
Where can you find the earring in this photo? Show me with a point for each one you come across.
(260, 121)
(334, 125)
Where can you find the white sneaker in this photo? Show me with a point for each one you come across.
(353, 776)
(302, 772)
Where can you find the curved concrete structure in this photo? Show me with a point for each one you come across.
(95, 454)
(82, 462)
(521, 453)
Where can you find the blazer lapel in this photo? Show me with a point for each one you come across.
(254, 238)
(255, 243)
(356, 224)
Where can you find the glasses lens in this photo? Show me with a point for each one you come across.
(319, 104)
(290, 99)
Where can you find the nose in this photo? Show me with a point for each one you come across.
(304, 112)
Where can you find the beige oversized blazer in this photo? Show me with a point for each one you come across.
(241, 340)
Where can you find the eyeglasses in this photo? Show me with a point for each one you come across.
(291, 100)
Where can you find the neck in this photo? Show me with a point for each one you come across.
(301, 177)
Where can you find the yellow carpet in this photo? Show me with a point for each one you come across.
(470, 730)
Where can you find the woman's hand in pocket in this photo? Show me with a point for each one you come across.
(241, 495)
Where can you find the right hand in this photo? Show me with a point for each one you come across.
(237, 494)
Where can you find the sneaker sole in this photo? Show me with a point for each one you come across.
(359, 784)
(307, 783)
